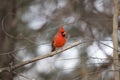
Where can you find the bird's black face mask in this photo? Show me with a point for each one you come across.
(64, 34)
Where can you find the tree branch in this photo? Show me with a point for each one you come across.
(42, 57)
(115, 40)
(45, 56)
(14, 67)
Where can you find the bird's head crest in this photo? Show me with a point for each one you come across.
(61, 29)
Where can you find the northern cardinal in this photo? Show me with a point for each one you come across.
(59, 40)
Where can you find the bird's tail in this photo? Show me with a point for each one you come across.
(53, 48)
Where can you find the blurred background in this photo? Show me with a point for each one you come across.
(28, 27)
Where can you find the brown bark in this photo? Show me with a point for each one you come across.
(7, 9)
(115, 41)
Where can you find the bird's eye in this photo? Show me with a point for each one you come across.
(63, 34)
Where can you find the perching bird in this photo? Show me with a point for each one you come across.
(59, 40)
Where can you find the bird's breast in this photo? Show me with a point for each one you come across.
(59, 41)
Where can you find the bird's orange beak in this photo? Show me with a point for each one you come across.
(64, 33)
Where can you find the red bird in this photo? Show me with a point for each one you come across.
(60, 39)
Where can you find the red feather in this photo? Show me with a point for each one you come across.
(59, 39)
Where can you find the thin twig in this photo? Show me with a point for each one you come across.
(23, 76)
(21, 49)
(3, 29)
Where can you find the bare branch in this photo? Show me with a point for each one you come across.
(23, 76)
(14, 67)
(42, 57)
(45, 56)
(3, 27)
